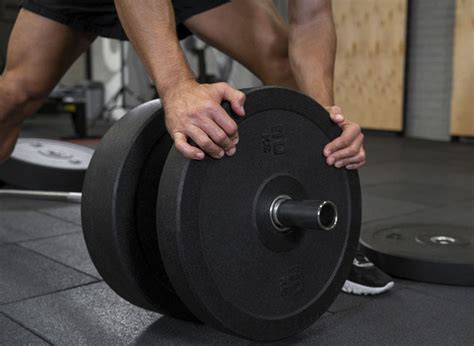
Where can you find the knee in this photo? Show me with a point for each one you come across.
(21, 88)
(17, 92)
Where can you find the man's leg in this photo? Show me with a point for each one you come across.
(251, 32)
(39, 52)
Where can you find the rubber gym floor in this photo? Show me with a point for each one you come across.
(50, 293)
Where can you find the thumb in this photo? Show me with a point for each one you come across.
(234, 96)
(335, 113)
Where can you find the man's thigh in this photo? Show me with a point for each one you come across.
(41, 50)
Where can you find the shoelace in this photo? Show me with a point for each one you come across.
(360, 260)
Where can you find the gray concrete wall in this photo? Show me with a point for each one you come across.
(430, 37)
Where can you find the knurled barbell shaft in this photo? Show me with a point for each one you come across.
(72, 197)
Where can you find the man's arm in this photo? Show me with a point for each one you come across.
(312, 52)
(312, 47)
(150, 26)
(192, 110)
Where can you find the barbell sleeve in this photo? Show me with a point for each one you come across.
(287, 213)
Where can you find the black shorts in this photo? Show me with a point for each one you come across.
(100, 17)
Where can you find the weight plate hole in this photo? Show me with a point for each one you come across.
(55, 154)
(443, 240)
(327, 215)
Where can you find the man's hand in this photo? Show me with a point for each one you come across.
(194, 111)
(347, 150)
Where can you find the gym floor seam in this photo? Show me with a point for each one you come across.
(6, 304)
(59, 262)
(26, 328)
(35, 239)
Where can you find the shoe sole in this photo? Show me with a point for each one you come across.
(360, 290)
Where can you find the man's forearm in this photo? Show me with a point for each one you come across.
(150, 26)
(312, 48)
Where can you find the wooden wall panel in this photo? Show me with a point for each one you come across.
(370, 62)
(462, 100)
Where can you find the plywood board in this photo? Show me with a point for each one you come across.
(462, 100)
(370, 61)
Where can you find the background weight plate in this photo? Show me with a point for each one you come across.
(118, 208)
(433, 253)
(44, 164)
(259, 286)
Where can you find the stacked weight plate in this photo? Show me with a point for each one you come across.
(195, 239)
